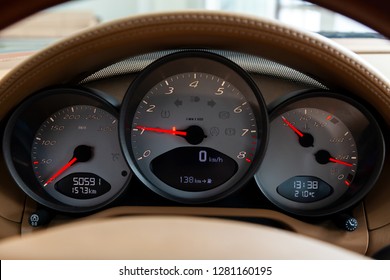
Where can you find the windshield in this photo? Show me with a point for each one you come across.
(46, 27)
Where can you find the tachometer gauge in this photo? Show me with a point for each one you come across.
(324, 154)
(63, 149)
(193, 127)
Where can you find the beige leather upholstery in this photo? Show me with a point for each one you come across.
(168, 238)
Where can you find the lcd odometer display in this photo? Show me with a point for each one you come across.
(82, 186)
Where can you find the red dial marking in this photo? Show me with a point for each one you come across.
(62, 170)
(172, 131)
(290, 125)
(340, 161)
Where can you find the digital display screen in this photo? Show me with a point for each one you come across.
(82, 186)
(193, 168)
(304, 189)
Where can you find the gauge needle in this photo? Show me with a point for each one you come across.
(81, 153)
(193, 134)
(324, 157)
(305, 139)
(62, 170)
(172, 131)
(339, 161)
(290, 125)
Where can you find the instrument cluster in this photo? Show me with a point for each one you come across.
(194, 128)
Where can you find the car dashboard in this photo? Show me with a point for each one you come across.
(196, 131)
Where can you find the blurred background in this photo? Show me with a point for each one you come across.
(38, 31)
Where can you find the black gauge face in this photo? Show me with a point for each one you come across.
(198, 130)
(69, 159)
(323, 155)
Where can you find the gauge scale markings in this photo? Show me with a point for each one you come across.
(193, 84)
(320, 170)
(69, 178)
(71, 159)
(196, 135)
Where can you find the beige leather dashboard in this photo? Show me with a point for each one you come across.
(103, 45)
(167, 238)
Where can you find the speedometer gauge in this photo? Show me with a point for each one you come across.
(62, 148)
(324, 154)
(193, 127)
(69, 152)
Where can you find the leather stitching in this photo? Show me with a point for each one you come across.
(105, 34)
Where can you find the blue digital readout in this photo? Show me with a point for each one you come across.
(194, 168)
(304, 189)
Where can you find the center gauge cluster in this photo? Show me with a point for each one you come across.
(194, 128)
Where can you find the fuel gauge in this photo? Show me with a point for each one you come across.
(324, 154)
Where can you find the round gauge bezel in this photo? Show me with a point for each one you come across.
(185, 62)
(370, 150)
(21, 128)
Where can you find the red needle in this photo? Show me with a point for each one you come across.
(59, 172)
(167, 131)
(290, 125)
(340, 161)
